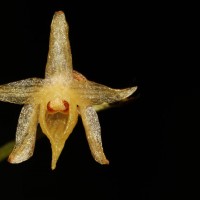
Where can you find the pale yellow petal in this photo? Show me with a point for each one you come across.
(59, 61)
(93, 134)
(19, 92)
(26, 134)
(97, 93)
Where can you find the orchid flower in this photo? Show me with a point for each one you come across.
(57, 101)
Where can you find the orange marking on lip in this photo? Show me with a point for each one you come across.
(52, 110)
(66, 104)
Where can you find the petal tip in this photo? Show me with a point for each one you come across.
(53, 166)
(106, 162)
(10, 159)
(60, 12)
(15, 159)
(103, 160)
(133, 89)
(127, 92)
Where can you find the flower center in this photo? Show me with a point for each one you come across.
(58, 105)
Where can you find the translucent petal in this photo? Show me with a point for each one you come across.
(93, 133)
(26, 134)
(19, 91)
(57, 127)
(59, 61)
(97, 93)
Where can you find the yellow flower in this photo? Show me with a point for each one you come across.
(56, 101)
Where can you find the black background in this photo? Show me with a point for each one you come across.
(119, 45)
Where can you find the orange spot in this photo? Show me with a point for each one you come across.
(49, 108)
(65, 110)
(66, 104)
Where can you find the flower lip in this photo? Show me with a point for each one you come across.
(58, 105)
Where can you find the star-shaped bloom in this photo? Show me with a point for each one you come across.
(56, 101)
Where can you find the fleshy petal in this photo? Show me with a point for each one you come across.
(20, 91)
(97, 93)
(93, 133)
(26, 134)
(59, 60)
(57, 127)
